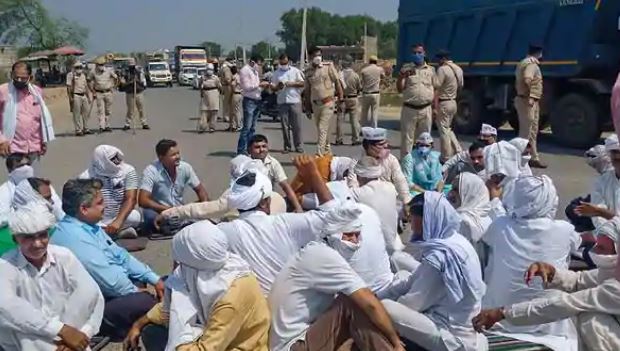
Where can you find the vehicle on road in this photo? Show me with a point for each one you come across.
(196, 82)
(188, 57)
(488, 39)
(188, 75)
(158, 73)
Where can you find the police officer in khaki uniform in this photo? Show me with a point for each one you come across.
(133, 84)
(79, 93)
(102, 81)
(350, 107)
(448, 81)
(210, 87)
(371, 83)
(415, 82)
(237, 100)
(529, 86)
(226, 77)
(322, 82)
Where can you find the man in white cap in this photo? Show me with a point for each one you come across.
(375, 145)
(48, 300)
(487, 136)
(133, 84)
(266, 242)
(79, 98)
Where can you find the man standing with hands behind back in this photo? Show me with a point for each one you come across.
(288, 82)
(448, 81)
(79, 94)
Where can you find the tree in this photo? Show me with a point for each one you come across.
(213, 49)
(264, 49)
(238, 53)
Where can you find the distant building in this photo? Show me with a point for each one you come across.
(8, 56)
(336, 53)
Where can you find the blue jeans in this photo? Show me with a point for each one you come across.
(251, 112)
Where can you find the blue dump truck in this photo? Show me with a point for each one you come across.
(487, 38)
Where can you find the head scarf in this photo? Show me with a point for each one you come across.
(610, 229)
(368, 167)
(487, 129)
(334, 237)
(534, 197)
(502, 158)
(241, 164)
(425, 138)
(339, 189)
(475, 203)
(26, 194)
(611, 143)
(598, 158)
(21, 173)
(31, 219)
(102, 166)
(448, 251)
(205, 272)
(338, 167)
(521, 145)
(243, 197)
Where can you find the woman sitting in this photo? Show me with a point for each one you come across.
(422, 167)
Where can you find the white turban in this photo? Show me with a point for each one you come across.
(243, 197)
(611, 143)
(425, 138)
(610, 229)
(21, 173)
(502, 158)
(520, 143)
(488, 130)
(25, 194)
(368, 167)
(242, 163)
(534, 197)
(31, 219)
(339, 166)
(598, 158)
(339, 189)
(201, 246)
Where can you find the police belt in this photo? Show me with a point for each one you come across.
(442, 100)
(237, 92)
(371, 92)
(211, 88)
(79, 94)
(416, 107)
(103, 91)
(351, 96)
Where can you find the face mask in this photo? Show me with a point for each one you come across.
(78, 71)
(317, 60)
(20, 85)
(603, 261)
(525, 160)
(285, 67)
(345, 248)
(100, 68)
(423, 150)
(418, 58)
(209, 72)
(21, 173)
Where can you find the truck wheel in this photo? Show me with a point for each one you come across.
(574, 121)
(468, 118)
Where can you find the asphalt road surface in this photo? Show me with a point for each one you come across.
(173, 113)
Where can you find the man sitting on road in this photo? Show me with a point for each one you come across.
(113, 268)
(487, 136)
(474, 163)
(163, 184)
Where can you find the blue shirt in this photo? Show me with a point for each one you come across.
(111, 266)
(163, 189)
(422, 171)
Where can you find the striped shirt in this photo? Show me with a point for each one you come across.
(113, 191)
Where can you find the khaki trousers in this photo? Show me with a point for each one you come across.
(228, 109)
(236, 110)
(207, 120)
(139, 106)
(448, 140)
(413, 122)
(81, 108)
(343, 327)
(104, 108)
(350, 109)
(322, 114)
(529, 116)
(370, 110)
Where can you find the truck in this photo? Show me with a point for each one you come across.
(488, 38)
(186, 59)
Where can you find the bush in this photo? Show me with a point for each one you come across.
(4, 75)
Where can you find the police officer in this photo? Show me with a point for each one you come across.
(102, 81)
(529, 86)
(226, 78)
(415, 82)
(350, 107)
(371, 83)
(448, 81)
(133, 84)
(79, 96)
(210, 88)
(322, 82)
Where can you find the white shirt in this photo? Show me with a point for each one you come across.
(393, 173)
(382, 197)
(7, 192)
(288, 95)
(250, 82)
(606, 193)
(305, 288)
(35, 304)
(267, 242)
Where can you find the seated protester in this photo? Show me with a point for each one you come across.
(592, 299)
(525, 147)
(18, 168)
(120, 191)
(598, 158)
(473, 164)
(267, 241)
(502, 168)
(113, 268)
(163, 184)
(606, 240)
(422, 167)
(258, 149)
(38, 190)
(214, 298)
(447, 288)
(318, 302)
(487, 136)
(375, 145)
(529, 232)
(48, 300)
(216, 209)
(331, 168)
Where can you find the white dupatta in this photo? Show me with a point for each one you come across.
(9, 116)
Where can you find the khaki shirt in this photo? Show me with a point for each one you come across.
(371, 78)
(103, 80)
(236, 84)
(321, 81)
(529, 80)
(226, 75)
(418, 87)
(448, 80)
(352, 82)
(79, 85)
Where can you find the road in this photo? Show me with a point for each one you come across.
(172, 114)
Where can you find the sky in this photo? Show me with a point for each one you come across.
(139, 25)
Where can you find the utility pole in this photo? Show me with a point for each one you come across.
(302, 54)
(365, 41)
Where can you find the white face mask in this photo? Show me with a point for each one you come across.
(345, 248)
(21, 173)
(317, 60)
(603, 261)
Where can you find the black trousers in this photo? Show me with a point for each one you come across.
(120, 313)
(154, 337)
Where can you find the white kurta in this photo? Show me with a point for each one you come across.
(391, 173)
(7, 192)
(606, 193)
(35, 304)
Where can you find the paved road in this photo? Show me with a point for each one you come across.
(172, 114)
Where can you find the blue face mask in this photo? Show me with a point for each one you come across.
(417, 58)
(423, 150)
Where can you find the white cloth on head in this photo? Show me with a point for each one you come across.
(205, 272)
(534, 197)
(242, 163)
(339, 189)
(488, 129)
(243, 197)
(9, 115)
(611, 143)
(475, 206)
(598, 158)
(425, 138)
(368, 167)
(25, 195)
(374, 134)
(31, 219)
(339, 166)
(521, 145)
(333, 232)
(502, 158)
(610, 229)
(21, 173)
(102, 166)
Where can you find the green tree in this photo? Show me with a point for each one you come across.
(238, 53)
(213, 49)
(264, 49)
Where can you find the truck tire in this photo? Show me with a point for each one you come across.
(574, 121)
(468, 118)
